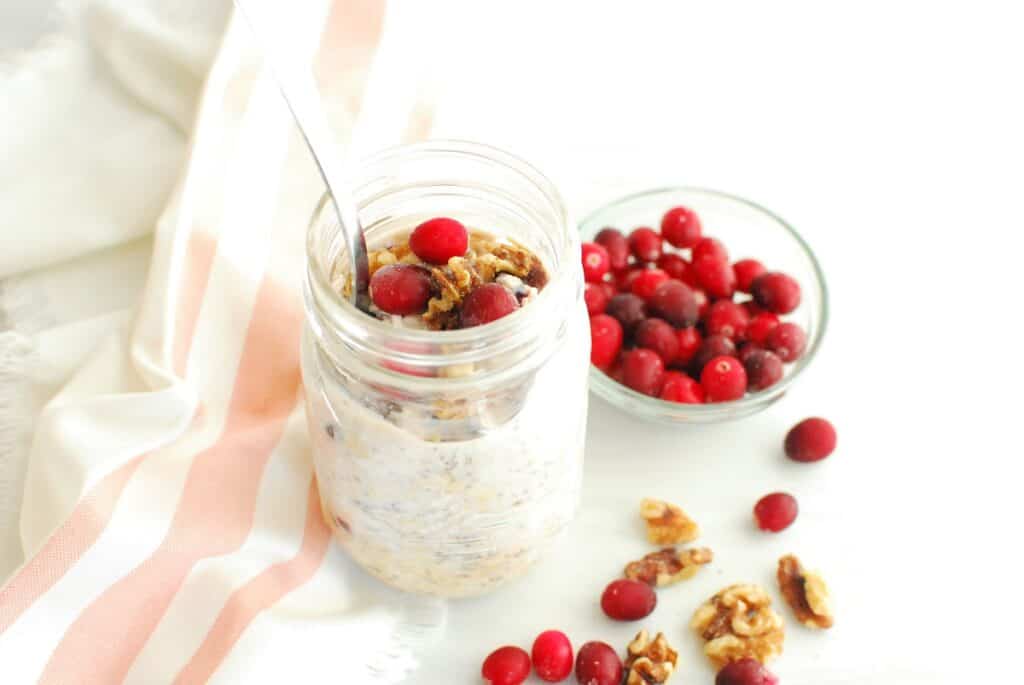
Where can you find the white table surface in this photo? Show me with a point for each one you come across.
(890, 135)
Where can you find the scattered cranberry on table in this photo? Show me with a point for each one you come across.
(812, 439)
(552, 656)
(596, 262)
(597, 663)
(746, 671)
(401, 289)
(506, 666)
(628, 600)
(438, 240)
(682, 282)
(489, 302)
(775, 512)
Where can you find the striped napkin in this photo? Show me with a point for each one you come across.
(170, 516)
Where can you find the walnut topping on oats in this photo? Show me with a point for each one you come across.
(739, 622)
(806, 593)
(668, 566)
(486, 260)
(649, 662)
(667, 524)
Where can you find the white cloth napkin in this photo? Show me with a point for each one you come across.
(170, 519)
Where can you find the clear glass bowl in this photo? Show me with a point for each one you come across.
(747, 230)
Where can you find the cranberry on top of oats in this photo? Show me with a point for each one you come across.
(443, 276)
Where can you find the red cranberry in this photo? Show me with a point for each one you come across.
(727, 318)
(713, 346)
(438, 240)
(678, 387)
(401, 289)
(677, 267)
(489, 302)
(624, 279)
(744, 352)
(711, 248)
(659, 337)
(753, 308)
(681, 227)
(506, 666)
(645, 244)
(643, 371)
(776, 292)
(764, 368)
(647, 282)
(596, 298)
(598, 664)
(552, 656)
(760, 326)
(723, 379)
(605, 340)
(775, 512)
(628, 309)
(810, 440)
(615, 371)
(609, 289)
(746, 671)
(703, 303)
(596, 262)
(788, 341)
(715, 277)
(674, 301)
(628, 600)
(617, 246)
(690, 341)
(746, 271)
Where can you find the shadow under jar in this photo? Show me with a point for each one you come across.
(447, 461)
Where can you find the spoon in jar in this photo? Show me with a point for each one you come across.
(299, 90)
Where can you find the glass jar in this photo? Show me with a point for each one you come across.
(448, 460)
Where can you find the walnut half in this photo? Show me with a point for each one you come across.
(668, 566)
(667, 524)
(805, 593)
(739, 622)
(649, 662)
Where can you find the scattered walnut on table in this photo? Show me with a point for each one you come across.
(739, 622)
(668, 566)
(667, 524)
(806, 593)
(649, 662)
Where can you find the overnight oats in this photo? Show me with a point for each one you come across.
(448, 422)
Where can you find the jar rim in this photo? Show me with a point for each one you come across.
(472, 344)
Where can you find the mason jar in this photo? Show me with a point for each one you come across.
(447, 461)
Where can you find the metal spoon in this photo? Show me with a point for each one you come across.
(300, 93)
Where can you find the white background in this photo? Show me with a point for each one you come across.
(890, 135)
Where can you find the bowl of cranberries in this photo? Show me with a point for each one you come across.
(703, 306)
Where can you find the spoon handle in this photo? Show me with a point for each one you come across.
(301, 95)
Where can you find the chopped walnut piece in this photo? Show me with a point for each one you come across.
(667, 524)
(649, 662)
(668, 566)
(805, 593)
(739, 622)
